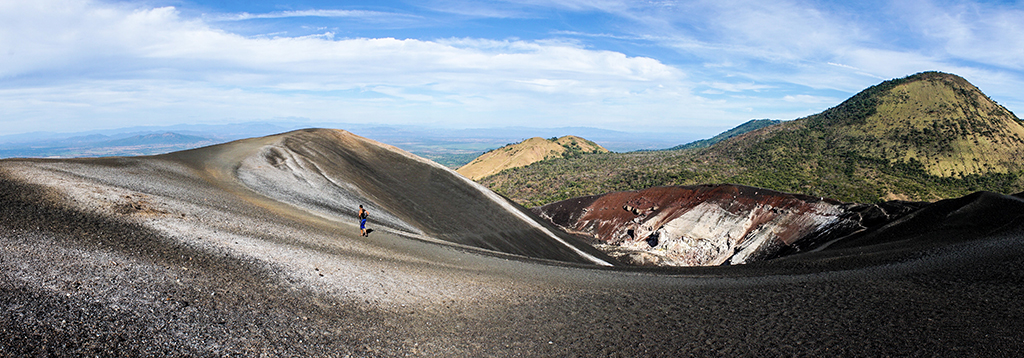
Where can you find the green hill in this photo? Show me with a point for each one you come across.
(923, 137)
(750, 125)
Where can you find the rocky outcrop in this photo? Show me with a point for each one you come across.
(713, 224)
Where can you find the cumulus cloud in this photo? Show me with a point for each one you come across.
(161, 36)
(990, 33)
(155, 58)
(836, 46)
(308, 13)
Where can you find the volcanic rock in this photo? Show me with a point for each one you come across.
(711, 225)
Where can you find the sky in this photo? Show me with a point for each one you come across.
(633, 66)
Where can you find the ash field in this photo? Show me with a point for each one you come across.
(251, 248)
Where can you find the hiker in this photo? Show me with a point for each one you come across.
(362, 220)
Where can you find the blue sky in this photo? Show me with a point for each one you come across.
(636, 66)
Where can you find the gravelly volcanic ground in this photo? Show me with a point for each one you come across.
(160, 256)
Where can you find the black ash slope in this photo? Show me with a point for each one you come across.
(193, 254)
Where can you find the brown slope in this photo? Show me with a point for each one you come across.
(525, 153)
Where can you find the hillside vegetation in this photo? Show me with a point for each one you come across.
(750, 125)
(527, 152)
(923, 137)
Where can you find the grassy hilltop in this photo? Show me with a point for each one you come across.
(527, 152)
(923, 137)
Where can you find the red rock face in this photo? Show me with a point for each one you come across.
(705, 225)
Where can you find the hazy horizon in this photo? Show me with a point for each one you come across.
(429, 141)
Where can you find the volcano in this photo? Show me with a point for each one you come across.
(252, 248)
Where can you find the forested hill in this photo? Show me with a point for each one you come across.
(923, 137)
(750, 125)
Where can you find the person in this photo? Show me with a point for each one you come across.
(362, 220)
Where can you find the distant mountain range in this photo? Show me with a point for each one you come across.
(453, 148)
(751, 125)
(127, 141)
(95, 145)
(158, 139)
(927, 136)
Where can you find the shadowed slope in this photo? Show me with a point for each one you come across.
(331, 172)
(972, 217)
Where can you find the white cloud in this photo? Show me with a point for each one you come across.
(834, 46)
(90, 61)
(738, 87)
(158, 37)
(308, 13)
(989, 33)
(118, 62)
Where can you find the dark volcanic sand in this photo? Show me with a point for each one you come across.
(161, 259)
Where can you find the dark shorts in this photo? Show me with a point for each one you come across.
(362, 224)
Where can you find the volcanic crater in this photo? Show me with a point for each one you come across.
(252, 248)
